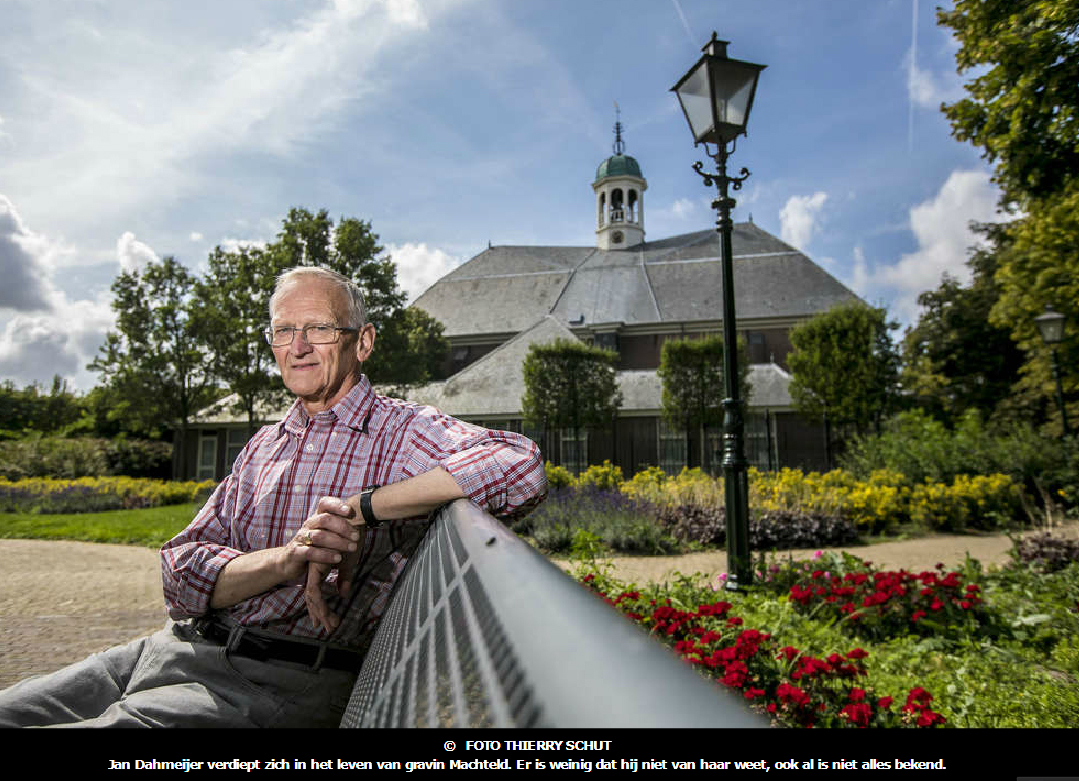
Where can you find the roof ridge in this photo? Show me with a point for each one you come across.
(569, 281)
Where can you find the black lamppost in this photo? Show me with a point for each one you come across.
(1051, 325)
(716, 96)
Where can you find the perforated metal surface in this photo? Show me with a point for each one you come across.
(441, 658)
(482, 631)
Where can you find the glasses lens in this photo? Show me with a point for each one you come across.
(320, 334)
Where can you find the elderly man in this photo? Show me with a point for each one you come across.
(275, 588)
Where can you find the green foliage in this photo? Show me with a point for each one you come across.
(955, 359)
(1022, 109)
(58, 457)
(605, 477)
(32, 409)
(559, 476)
(409, 350)
(231, 307)
(925, 450)
(569, 385)
(155, 364)
(692, 372)
(844, 367)
(1038, 267)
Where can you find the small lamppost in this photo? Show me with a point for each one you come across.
(1051, 325)
(716, 96)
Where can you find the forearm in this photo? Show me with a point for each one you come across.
(249, 575)
(409, 498)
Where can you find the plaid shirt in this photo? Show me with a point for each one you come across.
(280, 475)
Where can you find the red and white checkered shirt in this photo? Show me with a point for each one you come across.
(280, 475)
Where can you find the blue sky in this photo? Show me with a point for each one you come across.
(134, 129)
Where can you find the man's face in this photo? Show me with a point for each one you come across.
(320, 374)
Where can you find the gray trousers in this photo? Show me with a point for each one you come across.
(177, 678)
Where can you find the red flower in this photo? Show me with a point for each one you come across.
(788, 652)
(589, 577)
(858, 653)
(856, 695)
(917, 614)
(884, 703)
(858, 713)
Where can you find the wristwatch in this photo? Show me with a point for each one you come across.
(365, 507)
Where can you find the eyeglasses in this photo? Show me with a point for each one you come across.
(319, 333)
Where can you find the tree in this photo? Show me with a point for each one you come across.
(30, 409)
(955, 359)
(844, 368)
(155, 363)
(1024, 109)
(231, 309)
(1040, 266)
(410, 349)
(693, 388)
(569, 384)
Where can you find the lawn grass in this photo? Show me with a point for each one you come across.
(149, 527)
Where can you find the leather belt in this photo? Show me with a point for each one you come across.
(243, 642)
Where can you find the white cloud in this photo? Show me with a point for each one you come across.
(928, 90)
(235, 245)
(799, 218)
(195, 236)
(33, 348)
(683, 207)
(126, 113)
(133, 254)
(420, 266)
(47, 333)
(941, 228)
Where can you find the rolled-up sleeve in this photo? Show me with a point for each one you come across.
(192, 560)
(501, 471)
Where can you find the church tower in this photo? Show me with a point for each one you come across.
(619, 188)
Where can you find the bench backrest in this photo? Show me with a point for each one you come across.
(483, 631)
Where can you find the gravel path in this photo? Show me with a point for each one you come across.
(61, 601)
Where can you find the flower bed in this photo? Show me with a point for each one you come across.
(95, 494)
(795, 688)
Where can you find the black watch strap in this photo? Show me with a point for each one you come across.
(365, 507)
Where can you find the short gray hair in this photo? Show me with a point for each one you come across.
(357, 314)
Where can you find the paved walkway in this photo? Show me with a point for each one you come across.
(61, 601)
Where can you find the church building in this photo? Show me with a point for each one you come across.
(624, 293)
(628, 294)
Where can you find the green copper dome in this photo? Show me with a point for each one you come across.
(618, 165)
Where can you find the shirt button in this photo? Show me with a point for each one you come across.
(310, 448)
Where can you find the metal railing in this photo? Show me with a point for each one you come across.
(483, 631)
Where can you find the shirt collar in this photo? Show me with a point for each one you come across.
(354, 410)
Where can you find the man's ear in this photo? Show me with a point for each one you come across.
(365, 342)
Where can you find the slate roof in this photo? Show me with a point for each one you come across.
(506, 289)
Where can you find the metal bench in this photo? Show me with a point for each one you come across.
(483, 631)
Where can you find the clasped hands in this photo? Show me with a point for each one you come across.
(330, 539)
